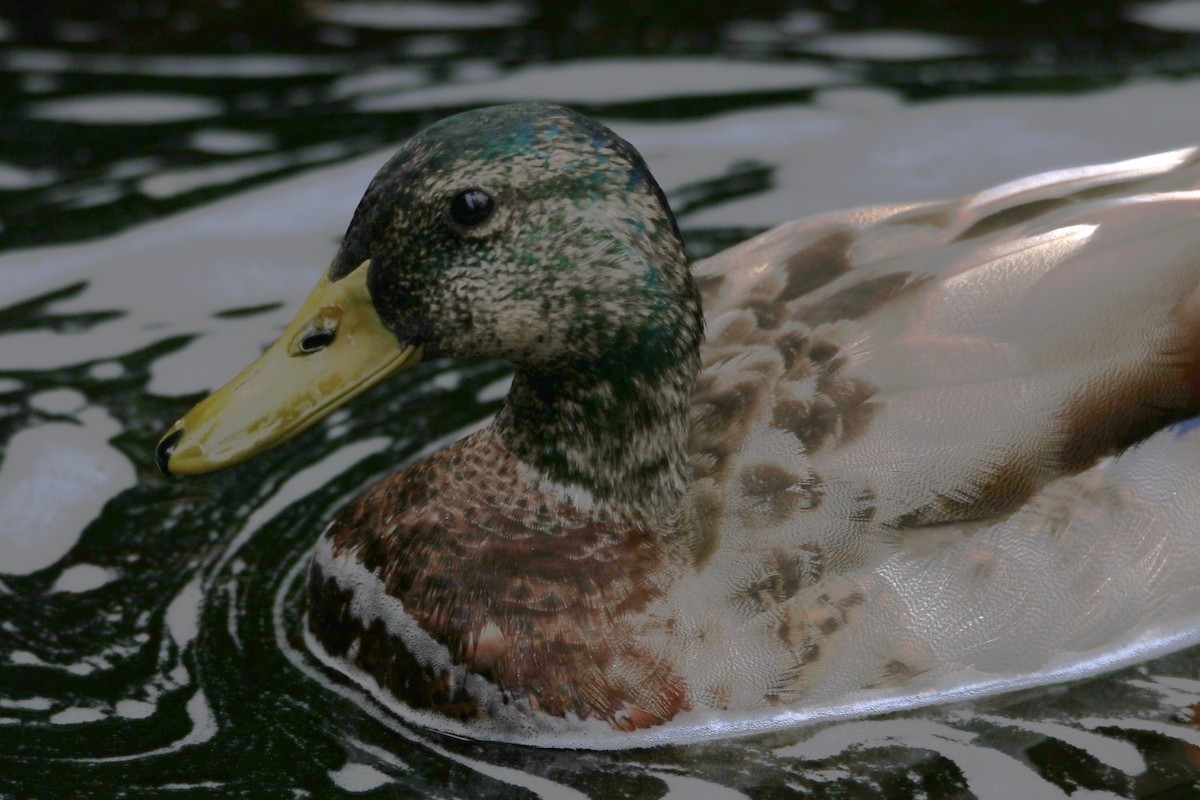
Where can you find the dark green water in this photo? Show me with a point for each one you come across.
(173, 178)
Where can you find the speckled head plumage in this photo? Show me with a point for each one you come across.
(578, 276)
(580, 249)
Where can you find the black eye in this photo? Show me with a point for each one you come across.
(316, 340)
(471, 208)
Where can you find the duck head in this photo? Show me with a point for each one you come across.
(528, 233)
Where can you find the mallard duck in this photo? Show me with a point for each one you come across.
(865, 461)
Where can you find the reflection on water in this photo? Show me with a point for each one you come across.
(157, 625)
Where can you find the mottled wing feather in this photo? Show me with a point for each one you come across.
(973, 364)
(867, 347)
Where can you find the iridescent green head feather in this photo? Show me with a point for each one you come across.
(579, 250)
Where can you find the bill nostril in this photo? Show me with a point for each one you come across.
(316, 340)
(162, 453)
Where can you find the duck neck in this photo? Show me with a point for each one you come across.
(615, 427)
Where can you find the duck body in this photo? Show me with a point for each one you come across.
(866, 461)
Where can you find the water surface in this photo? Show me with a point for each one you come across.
(173, 184)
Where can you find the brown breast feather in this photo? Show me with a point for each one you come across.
(523, 587)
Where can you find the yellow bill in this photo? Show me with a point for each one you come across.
(335, 349)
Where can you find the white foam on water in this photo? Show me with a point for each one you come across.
(204, 725)
(28, 703)
(1173, 690)
(357, 778)
(448, 380)
(174, 182)
(889, 45)
(496, 390)
(132, 167)
(233, 611)
(785, 31)
(1173, 15)
(377, 80)
(683, 787)
(77, 715)
(183, 614)
(106, 370)
(407, 16)
(14, 178)
(83, 578)
(54, 479)
(247, 66)
(386, 756)
(28, 659)
(87, 196)
(125, 109)
(58, 401)
(134, 709)
(1115, 753)
(203, 728)
(220, 141)
(989, 774)
(539, 786)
